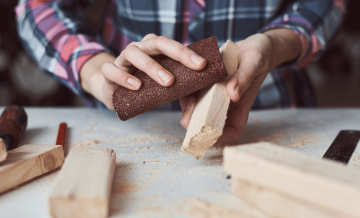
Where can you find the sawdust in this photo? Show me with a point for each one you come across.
(304, 140)
(125, 188)
(355, 159)
(256, 121)
(296, 140)
(202, 209)
(84, 143)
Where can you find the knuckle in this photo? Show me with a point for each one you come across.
(150, 35)
(105, 66)
(160, 41)
(150, 64)
(133, 43)
(183, 51)
(129, 49)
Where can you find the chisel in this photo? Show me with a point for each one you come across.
(13, 122)
(343, 146)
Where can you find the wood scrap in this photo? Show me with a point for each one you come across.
(83, 186)
(27, 162)
(3, 151)
(324, 184)
(273, 203)
(208, 119)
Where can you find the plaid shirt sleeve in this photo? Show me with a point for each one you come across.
(315, 21)
(58, 38)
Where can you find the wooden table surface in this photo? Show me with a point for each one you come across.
(153, 179)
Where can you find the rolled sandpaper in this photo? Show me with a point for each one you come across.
(128, 103)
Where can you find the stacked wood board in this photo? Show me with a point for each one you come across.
(286, 183)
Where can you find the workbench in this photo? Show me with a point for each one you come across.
(152, 178)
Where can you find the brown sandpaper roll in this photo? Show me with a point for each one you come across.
(128, 103)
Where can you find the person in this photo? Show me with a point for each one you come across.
(276, 40)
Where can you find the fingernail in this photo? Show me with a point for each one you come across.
(237, 90)
(196, 59)
(134, 83)
(165, 76)
(189, 104)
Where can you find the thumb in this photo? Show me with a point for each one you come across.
(249, 67)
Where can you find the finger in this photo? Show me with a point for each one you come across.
(184, 100)
(149, 36)
(240, 81)
(142, 61)
(187, 112)
(173, 49)
(113, 74)
(238, 113)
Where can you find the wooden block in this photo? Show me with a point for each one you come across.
(325, 184)
(27, 162)
(83, 186)
(3, 151)
(273, 203)
(208, 119)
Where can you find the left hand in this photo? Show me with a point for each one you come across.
(257, 55)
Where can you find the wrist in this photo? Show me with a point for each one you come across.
(286, 45)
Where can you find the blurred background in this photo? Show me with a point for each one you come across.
(335, 77)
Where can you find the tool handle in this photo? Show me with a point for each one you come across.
(61, 136)
(13, 122)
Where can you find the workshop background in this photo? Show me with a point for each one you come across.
(335, 77)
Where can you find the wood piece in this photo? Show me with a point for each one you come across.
(208, 119)
(27, 162)
(325, 184)
(274, 203)
(83, 186)
(3, 151)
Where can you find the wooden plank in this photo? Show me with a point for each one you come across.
(208, 119)
(326, 184)
(83, 186)
(27, 162)
(273, 203)
(3, 151)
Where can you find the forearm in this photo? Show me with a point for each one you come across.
(286, 45)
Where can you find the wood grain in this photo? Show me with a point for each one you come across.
(27, 162)
(83, 186)
(208, 119)
(3, 151)
(273, 203)
(325, 184)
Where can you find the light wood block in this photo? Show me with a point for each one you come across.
(274, 203)
(3, 151)
(83, 186)
(27, 162)
(208, 119)
(324, 184)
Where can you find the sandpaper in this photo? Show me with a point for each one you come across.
(128, 103)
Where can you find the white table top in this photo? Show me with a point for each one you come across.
(169, 183)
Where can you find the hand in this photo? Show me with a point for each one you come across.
(257, 55)
(102, 74)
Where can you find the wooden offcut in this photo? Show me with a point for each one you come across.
(27, 162)
(3, 151)
(321, 183)
(209, 115)
(273, 203)
(83, 186)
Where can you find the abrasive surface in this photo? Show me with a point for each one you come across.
(128, 103)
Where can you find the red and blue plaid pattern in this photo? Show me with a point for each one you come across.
(58, 38)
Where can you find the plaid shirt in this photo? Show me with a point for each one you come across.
(58, 38)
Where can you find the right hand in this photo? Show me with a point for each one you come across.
(102, 74)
